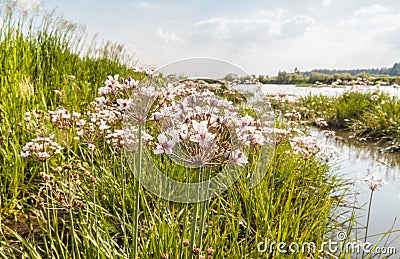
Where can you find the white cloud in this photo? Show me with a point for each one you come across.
(143, 4)
(374, 9)
(169, 37)
(326, 2)
(372, 19)
(296, 26)
(259, 28)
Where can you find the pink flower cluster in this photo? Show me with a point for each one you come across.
(373, 182)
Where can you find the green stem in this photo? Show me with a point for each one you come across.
(95, 221)
(137, 191)
(194, 217)
(124, 208)
(182, 254)
(368, 217)
(48, 221)
(74, 241)
(203, 210)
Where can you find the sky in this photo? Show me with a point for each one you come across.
(261, 37)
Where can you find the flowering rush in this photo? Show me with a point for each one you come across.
(41, 148)
(203, 130)
(373, 182)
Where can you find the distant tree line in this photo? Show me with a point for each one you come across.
(392, 71)
(331, 75)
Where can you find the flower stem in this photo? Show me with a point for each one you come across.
(194, 217)
(368, 217)
(137, 191)
(203, 210)
(124, 209)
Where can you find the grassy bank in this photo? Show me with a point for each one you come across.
(43, 65)
(69, 191)
(370, 116)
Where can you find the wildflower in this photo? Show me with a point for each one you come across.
(41, 148)
(165, 145)
(321, 122)
(210, 251)
(374, 97)
(328, 153)
(329, 133)
(373, 183)
(79, 204)
(305, 146)
(101, 100)
(202, 136)
(79, 132)
(124, 104)
(67, 166)
(91, 146)
(63, 119)
(43, 156)
(294, 115)
(103, 126)
(141, 104)
(81, 123)
(238, 157)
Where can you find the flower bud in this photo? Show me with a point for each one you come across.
(157, 117)
(214, 102)
(192, 99)
(186, 242)
(196, 251)
(226, 154)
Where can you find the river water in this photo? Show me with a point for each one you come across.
(358, 160)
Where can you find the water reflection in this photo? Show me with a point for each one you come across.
(360, 159)
(294, 90)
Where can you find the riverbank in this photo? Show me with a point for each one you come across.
(369, 116)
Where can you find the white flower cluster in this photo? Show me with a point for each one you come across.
(203, 130)
(113, 86)
(64, 119)
(126, 137)
(321, 122)
(41, 148)
(305, 146)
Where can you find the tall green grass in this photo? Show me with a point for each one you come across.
(40, 53)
